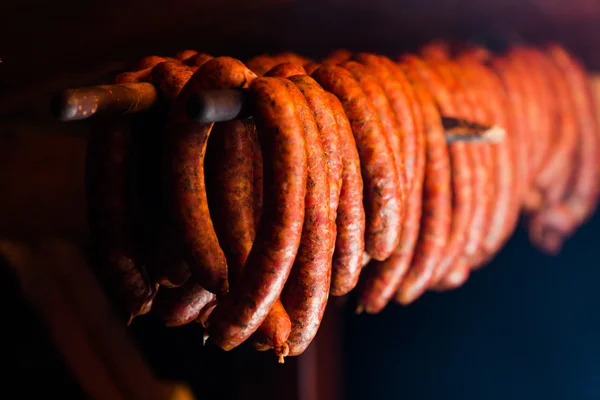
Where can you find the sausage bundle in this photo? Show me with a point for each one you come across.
(341, 180)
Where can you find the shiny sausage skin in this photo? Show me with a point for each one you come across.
(337, 57)
(489, 92)
(149, 62)
(375, 93)
(513, 87)
(292, 58)
(232, 209)
(311, 67)
(381, 278)
(350, 219)
(185, 150)
(306, 291)
(558, 169)
(381, 188)
(454, 279)
(108, 174)
(529, 114)
(180, 306)
(232, 194)
(451, 100)
(184, 55)
(281, 135)
(258, 183)
(170, 77)
(261, 64)
(285, 70)
(274, 332)
(538, 117)
(484, 178)
(561, 221)
(554, 176)
(198, 60)
(437, 196)
(276, 328)
(318, 103)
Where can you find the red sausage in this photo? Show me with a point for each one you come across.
(185, 150)
(561, 221)
(488, 91)
(306, 292)
(437, 197)
(350, 219)
(382, 202)
(180, 306)
(280, 131)
(381, 278)
(451, 100)
(374, 91)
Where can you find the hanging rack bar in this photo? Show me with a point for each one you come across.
(210, 106)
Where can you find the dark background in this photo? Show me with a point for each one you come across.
(524, 327)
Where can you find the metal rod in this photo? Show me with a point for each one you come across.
(460, 130)
(82, 103)
(211, 106)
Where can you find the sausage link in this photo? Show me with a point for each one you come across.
(554, 176)
(261, 64)
(292, 58)
(382, 202)
(561, 221)
(312, 268)
(318, 103)
(273, 333)
(451, 100)
(484, 178)
(538, 114)
(185, 149)
(337, 57)
(454, 279)
(513, 87)
(149, 62)
(437, 196)
(311, 67)
(230, 158)
(375, 93)
(232, 193)
(184, 55)
(350, 219)
(488, 91)
(170, 77)
(198, 60)
(281, 135)
(277, 327)
(258, 182)
(285, 70)
(306, 292)
(381, 278)
(180, 306)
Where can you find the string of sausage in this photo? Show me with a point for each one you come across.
(361, 126)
